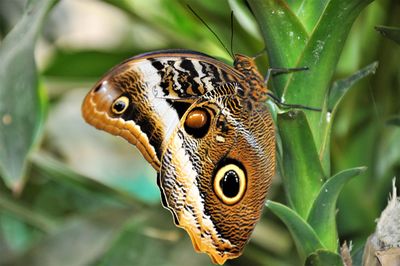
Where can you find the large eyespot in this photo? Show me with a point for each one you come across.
(120, 105)
(197, 122)
(230, 184)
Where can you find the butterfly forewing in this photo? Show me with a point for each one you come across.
(160, 87)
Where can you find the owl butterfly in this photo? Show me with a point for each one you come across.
(204, 127)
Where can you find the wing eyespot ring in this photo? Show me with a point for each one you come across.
(197, 122)
(120, 105)
(230, 183)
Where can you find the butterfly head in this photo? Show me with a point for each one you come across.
(247, 66)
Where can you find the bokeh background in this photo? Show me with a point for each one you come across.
(89, 198)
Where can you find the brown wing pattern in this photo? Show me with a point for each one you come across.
(189, 168)
(204, 127)
(160, 87)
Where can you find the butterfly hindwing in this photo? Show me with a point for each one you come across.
(217, 224)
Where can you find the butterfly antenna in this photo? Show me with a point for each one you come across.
(298, 106)
(232, 24)
(209, 28)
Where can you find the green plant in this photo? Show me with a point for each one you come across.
(311, 38)
(50, 208)
(22, 100)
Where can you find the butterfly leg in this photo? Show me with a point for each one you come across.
(279, 71)
(277, 101)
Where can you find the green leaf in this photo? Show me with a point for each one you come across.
(301, 170)
(335, 96)
(21, 106)
(392, 33)
(294, 4)
(321, 55)
(322, 216)
(340, 87)
(285, 40)
(323, 258)
(310, 11)
(304, 236)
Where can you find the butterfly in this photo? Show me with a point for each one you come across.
(205, 128)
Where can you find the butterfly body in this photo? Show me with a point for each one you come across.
(203, 125)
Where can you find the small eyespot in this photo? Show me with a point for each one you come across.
(197, 122)
(101, 86)
(120, 105)
(97, 88)
(196, 118)
(230, 184)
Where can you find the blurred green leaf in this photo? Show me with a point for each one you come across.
(324, 258)
(340, 87)
(360, 133)
(21, 105)
(335, 96)
(392, 33)
(131, 247)
(270, 235)
(322, 216)
(77, 242)
(151, 239)
(357, 255)
(304, 236)
(245, 18)
(387, 160)
(53, 169)
(84, 64)
(97, 155)
(395, 121)
(26, 214)
(172, 20)
(301, 171)
(17, 235)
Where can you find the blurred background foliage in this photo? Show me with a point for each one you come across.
(88, 198)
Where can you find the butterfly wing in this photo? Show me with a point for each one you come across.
(214, 179)
(155, 89)
(215, 184)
